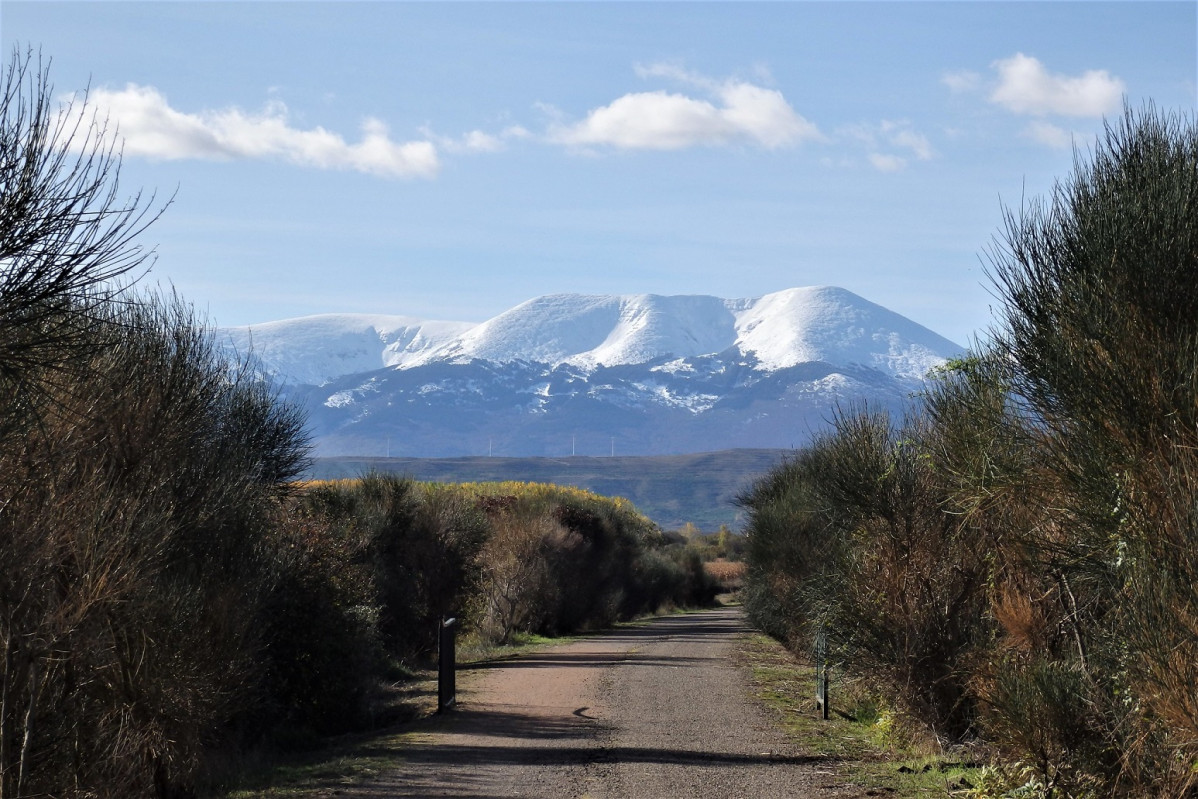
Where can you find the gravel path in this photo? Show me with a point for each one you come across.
(657, 710)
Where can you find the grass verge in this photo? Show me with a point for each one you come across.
(864, 745)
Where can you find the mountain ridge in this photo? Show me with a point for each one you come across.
(781, 329)
(641, 374)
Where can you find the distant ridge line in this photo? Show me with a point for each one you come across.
(672, 490)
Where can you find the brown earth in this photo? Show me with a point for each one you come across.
(657, 710)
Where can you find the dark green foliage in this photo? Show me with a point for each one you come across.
(790, 550)
(135, 512)
(850, 535)
(1019, 557)
(592, 567)
(421, 543)
(321, 652)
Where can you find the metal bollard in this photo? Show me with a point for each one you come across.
(821, 673)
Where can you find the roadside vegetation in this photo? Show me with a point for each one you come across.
(170, 597)
(1011, 568)
(861, 743)
(1014, 564)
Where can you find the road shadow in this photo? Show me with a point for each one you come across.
(691, 627)
(581, 659)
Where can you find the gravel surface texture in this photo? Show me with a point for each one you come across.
(656, 710)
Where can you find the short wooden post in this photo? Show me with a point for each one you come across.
(447, 659)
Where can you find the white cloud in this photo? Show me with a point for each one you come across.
(476, 141)
(152, 129)
(961, 80)
(891, 135)
(1026, 87)
(902, 135)
(887, 163)
(1049, 134)
(736, 112)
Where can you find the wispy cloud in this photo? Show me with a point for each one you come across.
(476, 141)
(731, 112)
(891, 144)
(1025, 86)
(151, 128)
(1049, 134)
(902, 135)
(887, 163)
(962, 80)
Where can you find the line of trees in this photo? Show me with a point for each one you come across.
(1016, 559)
(168, 594)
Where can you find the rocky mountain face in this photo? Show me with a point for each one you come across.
(595, 375)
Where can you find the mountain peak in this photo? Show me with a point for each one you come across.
(316, 349)
(779, 330)
(638, 373)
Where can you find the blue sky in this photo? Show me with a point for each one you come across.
(450, 160)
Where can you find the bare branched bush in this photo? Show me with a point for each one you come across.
(517, 588)
(68, 239)
(138, 475)
(559, 560)
(132, 527)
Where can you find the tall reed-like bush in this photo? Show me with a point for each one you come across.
(1018, 558)
(1099, 288)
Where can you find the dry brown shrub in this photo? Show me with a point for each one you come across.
(517, 581)
(1023, 621)
(729, 574)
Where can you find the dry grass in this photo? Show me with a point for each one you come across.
(729, 574)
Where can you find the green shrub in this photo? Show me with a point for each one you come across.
(322, 652)
(1098, 325)
(422, 544)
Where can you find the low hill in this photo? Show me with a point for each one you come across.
(670, 489)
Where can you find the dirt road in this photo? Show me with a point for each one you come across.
(652, 711)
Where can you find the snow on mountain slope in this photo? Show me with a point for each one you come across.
(778, 330)
(782, 329)
(641, 374)
(588, 331)
(830, 324)
(316, 349)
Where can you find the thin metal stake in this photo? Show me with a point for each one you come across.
(821, 672)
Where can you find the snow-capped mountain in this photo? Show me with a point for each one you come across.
(641, 374)
(317, 349)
